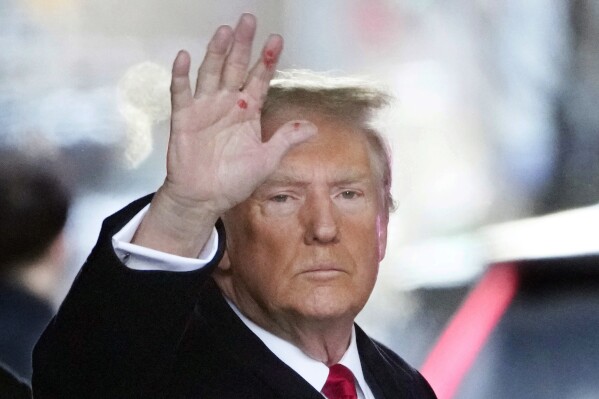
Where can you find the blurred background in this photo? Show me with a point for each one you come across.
(494, 133)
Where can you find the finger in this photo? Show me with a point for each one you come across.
(286, 137)
(263, 71)
(180, 87)
(210, 72)
(236, 64)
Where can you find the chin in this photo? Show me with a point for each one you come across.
(327, 304)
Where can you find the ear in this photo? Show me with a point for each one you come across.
(382, 221)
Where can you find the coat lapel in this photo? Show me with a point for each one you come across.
(385, 374)
(214, 318)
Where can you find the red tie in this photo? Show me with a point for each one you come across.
(340, 383)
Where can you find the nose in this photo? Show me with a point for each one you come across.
(321, 220)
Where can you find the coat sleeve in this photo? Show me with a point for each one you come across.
(116, 333)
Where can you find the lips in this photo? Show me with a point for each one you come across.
(324, 271)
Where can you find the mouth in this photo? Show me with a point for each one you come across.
(323, 272)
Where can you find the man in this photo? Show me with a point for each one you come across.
(300, 184)
(34, 207)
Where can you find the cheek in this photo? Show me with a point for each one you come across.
(364, 242)
(258, 243)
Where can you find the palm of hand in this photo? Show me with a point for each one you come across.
(218, 151)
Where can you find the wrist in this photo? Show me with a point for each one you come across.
(175, 226)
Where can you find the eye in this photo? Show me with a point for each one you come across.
(348, 194)
(280, 198)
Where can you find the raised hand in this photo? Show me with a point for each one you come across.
(216, 157)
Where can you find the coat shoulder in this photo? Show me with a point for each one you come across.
(390, 370)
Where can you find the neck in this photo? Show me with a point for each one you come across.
(326, 346)
(323, 340)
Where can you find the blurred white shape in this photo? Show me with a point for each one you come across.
(143, 100)
(146, 87)
(138, 135)
(457, 259)
(569, 233)
(436, 262)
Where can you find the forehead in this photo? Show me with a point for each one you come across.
(338, 145)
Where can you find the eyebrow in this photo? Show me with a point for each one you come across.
(285, 179)
(348, 176)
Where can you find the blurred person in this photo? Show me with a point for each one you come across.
(293, 175)
(33, 212)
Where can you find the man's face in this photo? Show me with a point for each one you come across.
(308, 242)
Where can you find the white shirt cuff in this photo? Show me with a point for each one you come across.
(137, 257)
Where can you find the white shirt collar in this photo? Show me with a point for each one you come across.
(313, 371)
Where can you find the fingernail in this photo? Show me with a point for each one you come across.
(269, 59)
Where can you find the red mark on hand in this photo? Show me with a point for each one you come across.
(242, 104)
(269, 59)
(296, 125)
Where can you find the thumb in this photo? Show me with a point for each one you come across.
(288, 136)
